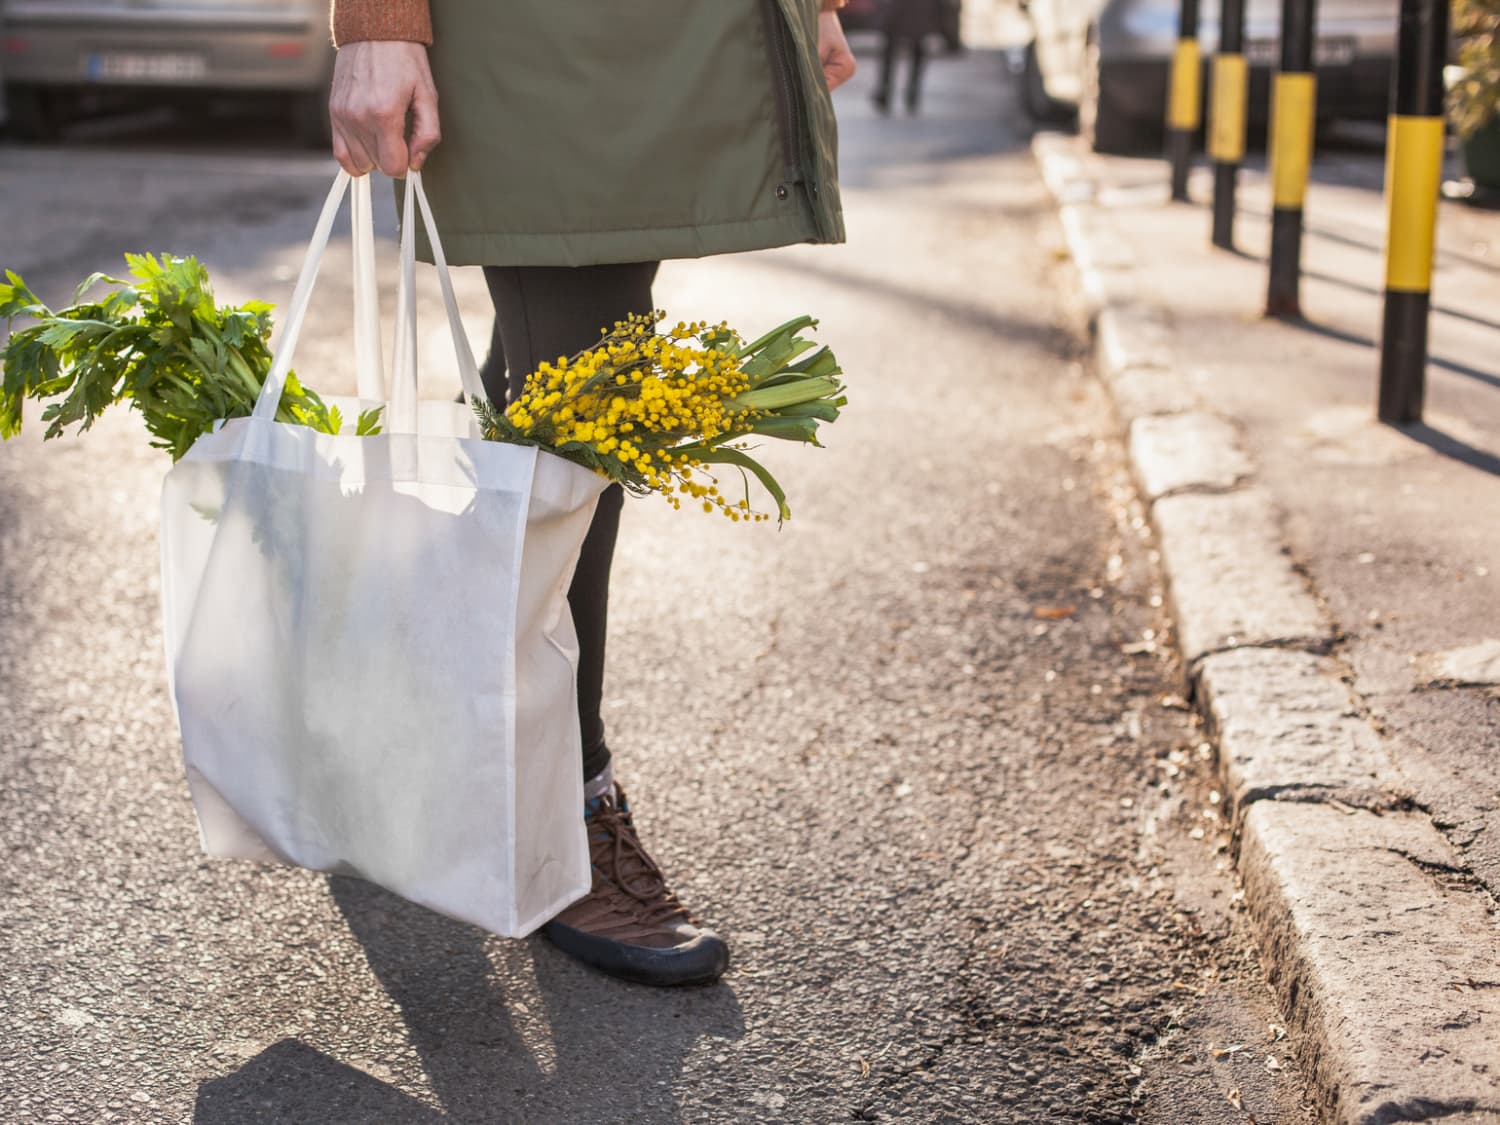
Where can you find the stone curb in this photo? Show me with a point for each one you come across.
(1288, 729)
(1389, 965)
(1231, 583)
(1384, 952)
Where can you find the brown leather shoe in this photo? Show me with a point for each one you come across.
(630, 925)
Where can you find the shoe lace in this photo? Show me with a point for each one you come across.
(628, 865)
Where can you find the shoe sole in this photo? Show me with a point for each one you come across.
(701, 961)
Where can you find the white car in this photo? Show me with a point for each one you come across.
(51, 51)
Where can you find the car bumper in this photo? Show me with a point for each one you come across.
(860, 17)
(272, 51)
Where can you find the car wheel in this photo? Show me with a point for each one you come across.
(1104, 127)
(1041, 108)
(33, 114)
(310, 124)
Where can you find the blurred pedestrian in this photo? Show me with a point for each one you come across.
(905, 26)
(581, 145)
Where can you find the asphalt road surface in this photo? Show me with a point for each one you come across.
(918, 755)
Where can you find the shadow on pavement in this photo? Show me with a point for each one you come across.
(247, 125)
(290, 1081)
(1450, 365)
(486, 1054)
(1039, 332)
(1375, 291)
(1450, 446)
(1375, 244)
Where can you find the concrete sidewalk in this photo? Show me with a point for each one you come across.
(1336, 595)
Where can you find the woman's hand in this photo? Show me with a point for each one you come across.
(833, 50)
(375, 84)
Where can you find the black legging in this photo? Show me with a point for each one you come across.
(542, 312)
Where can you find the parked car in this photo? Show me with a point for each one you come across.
(1110, 61)
(862, 15)
(54, 51)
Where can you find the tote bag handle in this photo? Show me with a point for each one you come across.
(369, 367)
(402, 412)
(404, 361)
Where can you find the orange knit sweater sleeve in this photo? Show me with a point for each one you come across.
(355, 21)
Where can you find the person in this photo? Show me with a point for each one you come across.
(582, 144)
(905, 26)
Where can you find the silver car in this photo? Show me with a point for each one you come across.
(1111, 61)
(52, 51)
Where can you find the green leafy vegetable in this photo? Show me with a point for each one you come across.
(159, 341)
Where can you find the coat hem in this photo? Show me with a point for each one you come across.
(597, 248)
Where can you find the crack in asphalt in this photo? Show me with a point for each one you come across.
(1316, 646)
(970, 1023)
(1375, 801)
(1450, 878)
(1428, 866)
(1205, 488)
(1424, 1110)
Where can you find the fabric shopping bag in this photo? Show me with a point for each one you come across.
(368, 640)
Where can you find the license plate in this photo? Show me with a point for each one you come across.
(128, 66)
(1332, 51)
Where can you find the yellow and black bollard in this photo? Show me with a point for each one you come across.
(1293, 121)
(1413, 175)
(1226, 127)
(1184, 98)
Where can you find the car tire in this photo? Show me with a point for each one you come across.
(310, 123)
(32, 113)
(1102, 126)
(1038, 105)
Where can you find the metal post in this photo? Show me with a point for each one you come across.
(1413, 173)
(1293, 120)
(1226, 130)
(1185, 98)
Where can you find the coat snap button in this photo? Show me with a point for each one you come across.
(814, 190)
(781, 192)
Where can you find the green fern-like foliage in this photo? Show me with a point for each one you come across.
(157, 341)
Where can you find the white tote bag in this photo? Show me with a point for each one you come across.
(368, 639)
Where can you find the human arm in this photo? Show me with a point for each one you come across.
(833, 48)
(380, 75)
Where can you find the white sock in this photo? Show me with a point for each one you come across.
(600, 784)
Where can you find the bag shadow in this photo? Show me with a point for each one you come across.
(291, 1081)
(505, 1031)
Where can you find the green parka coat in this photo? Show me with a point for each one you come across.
(579, 132)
